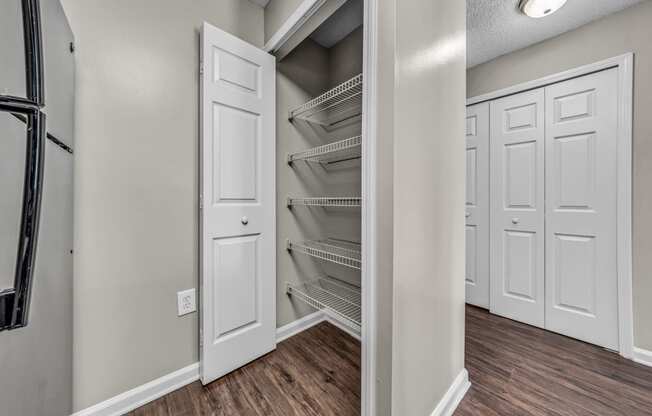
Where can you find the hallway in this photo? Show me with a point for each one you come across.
(516, 369)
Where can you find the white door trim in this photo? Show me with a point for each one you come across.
(298, 18)
(625, 65)
(369, 219)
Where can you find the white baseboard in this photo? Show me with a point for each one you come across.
(293, 328)
(453, 396)
(642, 356)
(308, 321)
(330, 318)
(141, 395)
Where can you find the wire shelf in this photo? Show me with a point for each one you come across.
(339, 151)
(340, 298)
(342, 202)
(335, 251)
(335, 106)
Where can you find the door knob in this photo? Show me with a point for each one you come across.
(244, 220)
(515, 220)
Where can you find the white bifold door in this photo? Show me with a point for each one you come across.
(477, 205)
(581, 192)
(237, 191)
(553, 208)
(517, 207)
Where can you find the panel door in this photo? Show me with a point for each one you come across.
(581, 192)
(238, 269)
(477, 205)
(517, 207)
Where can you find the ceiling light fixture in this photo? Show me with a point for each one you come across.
(540, 8)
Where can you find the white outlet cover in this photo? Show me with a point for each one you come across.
(186, 302)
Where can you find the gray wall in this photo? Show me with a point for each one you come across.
(301, 75)
(136, 184)
(345, 58)
(424, 42)
(36, 361)
(429, 177)
(309, 26)
(627, 31)
(276, 13)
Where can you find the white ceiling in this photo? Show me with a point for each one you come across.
(497, 27)
(494, 27)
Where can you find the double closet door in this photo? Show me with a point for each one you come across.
(552, 208)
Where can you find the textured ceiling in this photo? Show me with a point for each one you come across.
(497, 27)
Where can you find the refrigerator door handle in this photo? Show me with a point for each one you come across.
(15, 302)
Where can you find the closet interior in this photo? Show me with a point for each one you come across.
(319, 155)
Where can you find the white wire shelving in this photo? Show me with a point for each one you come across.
(340, 252)
(327, 293)
(347, 149)
(335, 106)
(326, 201)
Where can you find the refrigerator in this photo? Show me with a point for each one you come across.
(36, 208)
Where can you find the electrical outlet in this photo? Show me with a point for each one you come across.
(186, 302)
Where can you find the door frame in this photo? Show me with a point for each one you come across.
(298, 18)
(625, 66)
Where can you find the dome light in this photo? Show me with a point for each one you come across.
(540, 8)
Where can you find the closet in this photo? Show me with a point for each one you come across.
(551, 236)
(319, 177)
(280, 192)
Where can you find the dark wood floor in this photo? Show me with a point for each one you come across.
(316, 372)
(515, 370)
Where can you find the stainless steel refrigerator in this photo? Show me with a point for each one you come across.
(36, 208)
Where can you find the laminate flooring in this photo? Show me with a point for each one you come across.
(515, 369)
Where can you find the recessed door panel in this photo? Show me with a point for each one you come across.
(520, 249)
(471, 255)
(520, 117)
(581, 190)
(477, 205)
(521, 175)
(236, 71)
(574, 106)
(236, 284)
(573, 279)
(574, 170)
(472, 125)
(235, 153)
(517, 207)
(472, 176)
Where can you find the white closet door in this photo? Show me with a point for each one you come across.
(238, 254)
(477, 205)
(517, 207)
(581, 189)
